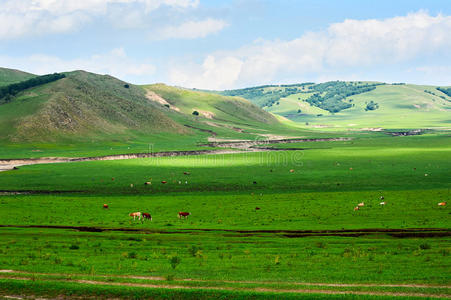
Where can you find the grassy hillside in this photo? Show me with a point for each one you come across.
(81, 106)
(209, 106)
(8, 76)
(355, 104)
(398, 106)
(86, 114)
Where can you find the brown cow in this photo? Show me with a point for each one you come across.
(105, 206)
(147, 183)
(356, 208)
(441, 204)
(147, 216)
(135, 215)
(183, 214)
(164, 182)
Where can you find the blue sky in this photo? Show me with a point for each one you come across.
(230, 44)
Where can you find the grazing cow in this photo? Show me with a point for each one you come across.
(361, 204)
(291, 171)
(350, 169)
(382, 203)
(135, 215)
(164, 182)
(356, 208)
(131, 185)
(112, 178)
(147, 216)
(186, 173)
(105, 206)
(147, 183)
(426, 174)
(382, 198)
(183, 214)
(257, 208)
(441, 204)
(255, 182)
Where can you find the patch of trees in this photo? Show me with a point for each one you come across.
(8, 92)
(267, 95)
(446, 91)
(330, 95)
(371, 106)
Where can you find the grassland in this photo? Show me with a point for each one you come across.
(399, 106)
(8, 76)
(305, 233)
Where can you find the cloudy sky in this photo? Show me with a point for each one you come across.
(218, 44)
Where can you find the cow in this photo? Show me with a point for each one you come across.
(186, 173)
(164, 182)
(441, 204)
(135, 215)
(105, 206)
(146, 216)
(254, 182)
(291, 171)
(183, 214)
(147, 183)
(112, 178)
(382, 198)
(382, 203)
(361, 204)
(356, 208)
(257, 208)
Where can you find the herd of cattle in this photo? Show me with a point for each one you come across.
(361, 204)
(142, 216)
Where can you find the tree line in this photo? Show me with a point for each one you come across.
(9, 91)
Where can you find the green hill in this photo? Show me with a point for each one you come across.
(89, 114)
(8, 76)
(209, 106)
(354, 104)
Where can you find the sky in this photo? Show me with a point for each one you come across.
(214, 44)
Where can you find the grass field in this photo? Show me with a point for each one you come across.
(305, 240)
(400, 106)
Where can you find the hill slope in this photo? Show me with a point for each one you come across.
(209, 106)
(81, 105)
(354, 104)
(86, 111)
(8, 76)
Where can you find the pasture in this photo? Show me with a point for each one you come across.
(262, 224)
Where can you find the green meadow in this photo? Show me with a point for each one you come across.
(262, 224)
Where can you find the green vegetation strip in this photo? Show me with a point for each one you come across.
(194, 283)
(238, 287)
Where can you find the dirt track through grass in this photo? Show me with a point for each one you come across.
(257, 289)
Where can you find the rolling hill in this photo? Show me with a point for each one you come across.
(81, 110)
(8, 76)
(354, 104)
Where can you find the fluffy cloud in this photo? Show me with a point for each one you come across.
(190, 30)
(34, 17)
(115, 63)
(351, 44)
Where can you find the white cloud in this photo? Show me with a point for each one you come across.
(190, 29)
(37, 17)
(115, 63)
(351, 44)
